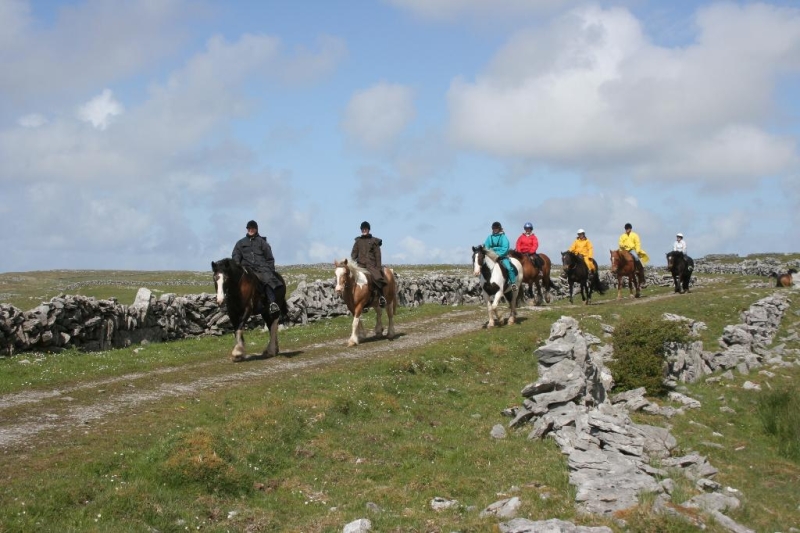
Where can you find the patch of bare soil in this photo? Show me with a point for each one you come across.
(29, 415)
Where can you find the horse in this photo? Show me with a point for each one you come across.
(622, 265)
(533, 275)
(576, 271)
(680, 266)
(494, 283)
(784, 280)
(352, 284)
(241, 290)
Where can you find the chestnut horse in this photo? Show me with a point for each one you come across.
(784, 280)
(494, 283)
(533, 275)
(352, 284)
(241, 290)
(622, 265)
(680, 266)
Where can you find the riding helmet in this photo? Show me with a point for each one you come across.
(528, 225)
(628, 226)
(496, 225)
(365, 225)
(252, 224)
(679, 235)
(580, 230)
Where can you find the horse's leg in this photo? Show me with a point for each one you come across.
(353, 340)
(378, 320)
(390, 303)
(635, 285)
(512, 303)
(272, 347)
(239, 352)
(619, 287)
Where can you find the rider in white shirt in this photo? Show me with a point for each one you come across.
(680, 244)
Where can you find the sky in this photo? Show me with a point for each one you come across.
(144, 134)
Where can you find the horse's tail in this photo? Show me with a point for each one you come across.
(597, 284)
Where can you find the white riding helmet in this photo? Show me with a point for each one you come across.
(581, 231)
(679, 235)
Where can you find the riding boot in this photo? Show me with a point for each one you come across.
(381, 300)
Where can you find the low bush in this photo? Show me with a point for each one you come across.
(640, 353)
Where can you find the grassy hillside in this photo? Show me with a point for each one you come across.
(287, 444)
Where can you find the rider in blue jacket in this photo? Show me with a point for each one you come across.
(498, 243)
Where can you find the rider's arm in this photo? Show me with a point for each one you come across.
(236, 255)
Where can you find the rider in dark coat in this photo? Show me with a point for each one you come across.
(254, 253)
(367, 254)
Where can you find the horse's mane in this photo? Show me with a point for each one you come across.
(515, 254)
(352, 267)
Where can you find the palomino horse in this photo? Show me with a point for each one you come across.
(576, 271)
(494, 282)
(622, 266)
(241, 290)
(680, 266)
(352, 284)
(533, 275)
(784, 280)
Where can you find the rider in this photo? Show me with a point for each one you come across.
(498, 243)
(254, 252)
(679, 245)
(583, 247)
(630, 242)
(367, 254)
(528, 243)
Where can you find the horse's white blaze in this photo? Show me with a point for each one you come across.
(220, 279)
(340, 277)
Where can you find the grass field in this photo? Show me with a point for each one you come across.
(376, 431)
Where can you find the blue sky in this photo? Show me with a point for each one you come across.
(143, 134)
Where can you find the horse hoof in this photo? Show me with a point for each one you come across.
(267, 353)
(238, 351)
(237, 358)
(351, 342)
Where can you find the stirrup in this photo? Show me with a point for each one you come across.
(274, 308)
(382, 301)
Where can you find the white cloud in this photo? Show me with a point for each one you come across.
(33, 120)
(445, 10)
(376, 116)
(592, 92)
(415, 251)
(100, 110)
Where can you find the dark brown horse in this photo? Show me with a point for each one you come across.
(533, 275)
(784, 280)
(680, 266)
(622, 266)
(576, 271)
(352, 284)
(241, 291)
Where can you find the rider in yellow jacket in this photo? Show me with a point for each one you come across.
(583, 246)
(630, 242)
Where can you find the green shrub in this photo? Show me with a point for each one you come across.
(640, 353)
(779, 412)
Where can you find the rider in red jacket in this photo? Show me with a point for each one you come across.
(528, 243)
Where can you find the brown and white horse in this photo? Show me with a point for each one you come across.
(241, 291)
(352, 284)
(784, 280)
(622, 266)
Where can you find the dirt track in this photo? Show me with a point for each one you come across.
(26, 416)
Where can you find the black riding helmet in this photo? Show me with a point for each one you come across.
(252, 224)
(496, 225)
(628, 226)
(365, 225)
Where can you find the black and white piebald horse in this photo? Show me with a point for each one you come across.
(495, 285)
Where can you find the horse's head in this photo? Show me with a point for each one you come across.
(222, 271)
(341, 272)
(478, 259)
(567, 261)
(614, 260)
